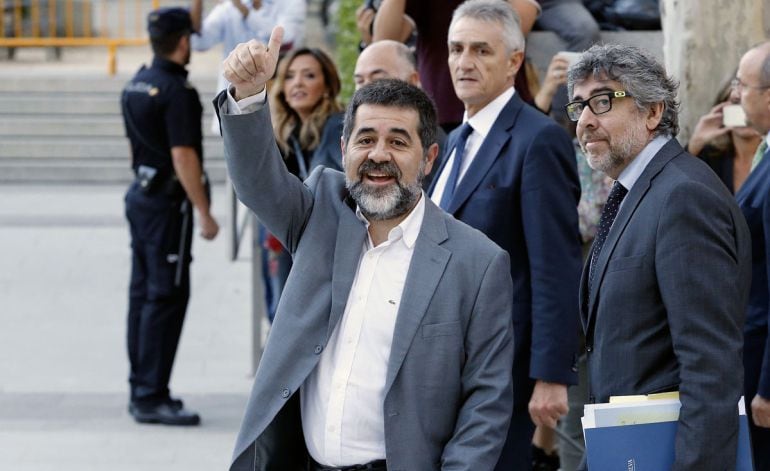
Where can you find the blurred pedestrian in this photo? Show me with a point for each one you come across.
(307, 121)
(236, 21)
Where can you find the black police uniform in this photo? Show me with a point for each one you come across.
(161, 110)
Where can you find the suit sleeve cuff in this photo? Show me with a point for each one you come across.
(246, 105)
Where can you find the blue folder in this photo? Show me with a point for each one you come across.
(648, 447)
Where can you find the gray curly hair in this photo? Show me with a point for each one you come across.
(639, 73)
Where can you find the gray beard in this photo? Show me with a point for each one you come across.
(379, 204)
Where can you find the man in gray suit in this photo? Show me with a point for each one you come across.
(664, 289)
(393, 341)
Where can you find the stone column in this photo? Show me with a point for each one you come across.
(703, 40)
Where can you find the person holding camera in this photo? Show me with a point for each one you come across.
(162, 115)
(724, 140)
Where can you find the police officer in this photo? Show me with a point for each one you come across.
(162, 116)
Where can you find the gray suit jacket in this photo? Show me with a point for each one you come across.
(666, 308)
(448, 396)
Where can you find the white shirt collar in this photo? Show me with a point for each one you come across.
(767, 139)
(408, 229)
(631, 174)
(482, 121)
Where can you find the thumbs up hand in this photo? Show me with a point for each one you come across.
(250, 65)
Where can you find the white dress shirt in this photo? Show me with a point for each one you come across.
(343, 398)
(481, 123)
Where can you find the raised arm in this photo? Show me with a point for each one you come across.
(391, 21)
(196, 14)
(528, 11)
(262, 182)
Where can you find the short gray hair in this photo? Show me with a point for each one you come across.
(638, 72)
(494, 11)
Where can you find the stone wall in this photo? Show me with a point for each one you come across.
(703, 41)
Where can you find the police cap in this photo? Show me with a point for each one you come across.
(165, 21)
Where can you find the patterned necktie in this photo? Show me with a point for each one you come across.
(759, 154)
(617, 193)
(454, 174)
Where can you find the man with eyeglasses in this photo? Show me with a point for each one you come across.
(664, 289)
(752, 87)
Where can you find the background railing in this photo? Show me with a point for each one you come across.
(71, 23)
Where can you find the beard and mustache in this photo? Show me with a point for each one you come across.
(378, 203)
(620, 150)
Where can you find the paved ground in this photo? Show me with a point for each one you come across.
(65, 258)
(64, 266)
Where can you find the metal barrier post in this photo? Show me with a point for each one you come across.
(258, 308)
(257, 295)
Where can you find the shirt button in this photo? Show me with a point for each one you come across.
(285, 393)
(589, 348)
(318, 349)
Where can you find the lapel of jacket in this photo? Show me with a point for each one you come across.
(489, 151)
(584, 291)
(425, 270)
(351, 236)
(666, 153)
(754, 183)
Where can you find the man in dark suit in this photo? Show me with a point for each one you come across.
(393, 342)
(752, 87)
(510, 172)
(664, 289)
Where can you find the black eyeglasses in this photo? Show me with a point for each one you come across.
(736, 84)
(598, 104)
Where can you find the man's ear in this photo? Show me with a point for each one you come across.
(430, 158)
(414, 79)
(342, 147)
(655, 115)
(184, 43)
(515, 62)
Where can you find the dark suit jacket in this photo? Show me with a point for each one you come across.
(522, 191)
(666, 307)
(447, 400)
(754, 200)
(329, 153)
